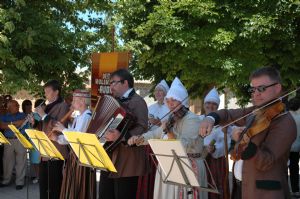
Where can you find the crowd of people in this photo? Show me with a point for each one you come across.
(263, 140)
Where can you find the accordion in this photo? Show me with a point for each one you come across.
(109, 114)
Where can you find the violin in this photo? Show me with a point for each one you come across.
(174, 117)
(257, 123)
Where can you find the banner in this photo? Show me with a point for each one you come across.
(103, 64)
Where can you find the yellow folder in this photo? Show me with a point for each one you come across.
(3, 139)
(89, 150)
(21, 138)
(43, 144)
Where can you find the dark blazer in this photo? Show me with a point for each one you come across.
(265, 174)
(132, 161)
(57, 112)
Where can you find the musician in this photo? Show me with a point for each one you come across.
(55, 110)
(158, 112)
(265, 154)
(76, 182)
(182, 125)
(14, 155)
(216, 153)
(158, 109)
(130, 162)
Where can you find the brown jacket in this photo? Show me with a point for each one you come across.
(265, 174)
(132, 161)
(55, 114)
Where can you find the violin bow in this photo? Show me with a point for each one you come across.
(257, 109)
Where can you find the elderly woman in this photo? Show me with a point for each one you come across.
(216, 152)
(184, 128)
(159, 110)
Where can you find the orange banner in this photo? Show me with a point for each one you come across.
(103, 64)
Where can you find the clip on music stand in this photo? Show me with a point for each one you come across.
(3, 139)
(89, 151)
(175, 165)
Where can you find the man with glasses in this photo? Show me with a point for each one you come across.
(263, 172)
(130, 162)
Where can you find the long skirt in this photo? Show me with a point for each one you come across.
(169, 191)
(146, 183)
(79, 182)
(218, 171)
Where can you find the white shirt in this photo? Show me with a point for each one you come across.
(218, 135)
(158, 111)
(296, 145)
(126, 94)
(79, 124)
(238, 167)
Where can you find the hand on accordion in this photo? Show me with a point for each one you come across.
(136, 140)
(112, 135)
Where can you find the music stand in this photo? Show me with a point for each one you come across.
(3, 139)
(26, 144)
(43, 144)
(175, 165)
(45, 147)
(89, 151)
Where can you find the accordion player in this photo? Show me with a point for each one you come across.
(109, 114)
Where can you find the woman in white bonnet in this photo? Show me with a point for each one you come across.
(216, 152)
(157, 113)
(185, 128)
(159, 110)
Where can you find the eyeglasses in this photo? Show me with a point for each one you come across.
(211, 103)
(113, 83)
(261, 88)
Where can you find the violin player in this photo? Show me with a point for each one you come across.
(264, 142)
(182, 125)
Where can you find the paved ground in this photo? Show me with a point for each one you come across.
(10, 192)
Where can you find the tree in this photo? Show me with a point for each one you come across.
(211, 43)
(42, 40)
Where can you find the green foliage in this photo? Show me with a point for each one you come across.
(211, 43)
(42, 40)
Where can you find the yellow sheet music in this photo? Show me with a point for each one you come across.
(43, 144)
(21, 138)
(89, 150)
(3, 139)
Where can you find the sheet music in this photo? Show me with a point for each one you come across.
(163, 152)
(112, 124)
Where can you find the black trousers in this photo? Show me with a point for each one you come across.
(50, 172)
(117, 188)
(237, 189)
(294, 171)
